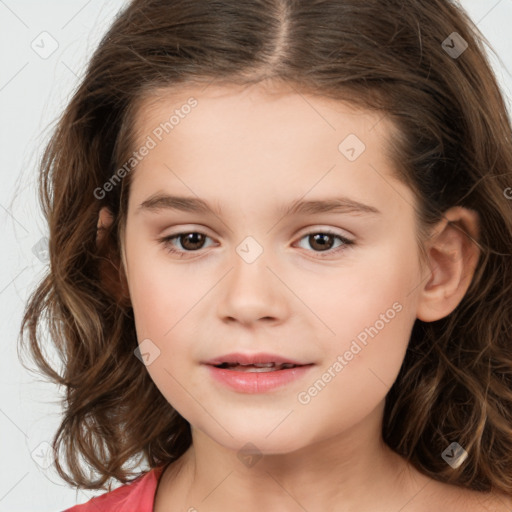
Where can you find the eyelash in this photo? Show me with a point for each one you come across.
(166, 241)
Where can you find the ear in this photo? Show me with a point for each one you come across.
(105, 219)
(111, 272)
(452, 260)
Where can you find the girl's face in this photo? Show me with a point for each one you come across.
(260, 277)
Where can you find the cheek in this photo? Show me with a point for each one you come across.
(360, 364)
(369, 297)
(162, 294)
(164, 298)
(371, 310)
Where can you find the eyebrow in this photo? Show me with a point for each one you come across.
(159, 202)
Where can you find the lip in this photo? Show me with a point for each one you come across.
(260, 357)
(256, 382)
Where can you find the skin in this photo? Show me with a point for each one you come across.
(251, 150)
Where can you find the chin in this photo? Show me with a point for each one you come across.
(258, 441)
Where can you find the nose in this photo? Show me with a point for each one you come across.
(252, 292)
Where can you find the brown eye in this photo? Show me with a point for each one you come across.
(190, 242)
(323, 242)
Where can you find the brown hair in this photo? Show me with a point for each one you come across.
(453, 147)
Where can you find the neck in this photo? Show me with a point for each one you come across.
(352, 470)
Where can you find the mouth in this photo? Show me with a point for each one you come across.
(257, 367)
(256, 362)
(256, 373)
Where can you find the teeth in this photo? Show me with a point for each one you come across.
(256, 367)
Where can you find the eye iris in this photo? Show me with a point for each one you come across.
(320, 238)
(192, 237)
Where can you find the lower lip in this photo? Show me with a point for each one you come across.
(257, 382)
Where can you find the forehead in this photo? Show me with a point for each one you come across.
(262, 140)
(256, 106)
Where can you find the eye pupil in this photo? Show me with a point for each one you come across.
(320, 239)
(192, 237)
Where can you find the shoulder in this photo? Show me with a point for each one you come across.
(465, 500)
(427, 494)
(486, 502)
(137, 495)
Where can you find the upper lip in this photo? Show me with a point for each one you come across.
(260, 357)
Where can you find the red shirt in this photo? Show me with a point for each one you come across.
(137, 496)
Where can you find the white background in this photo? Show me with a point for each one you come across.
(33, 91)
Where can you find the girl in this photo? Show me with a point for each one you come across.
(280, 239)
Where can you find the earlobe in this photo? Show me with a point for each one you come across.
(453, 255)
